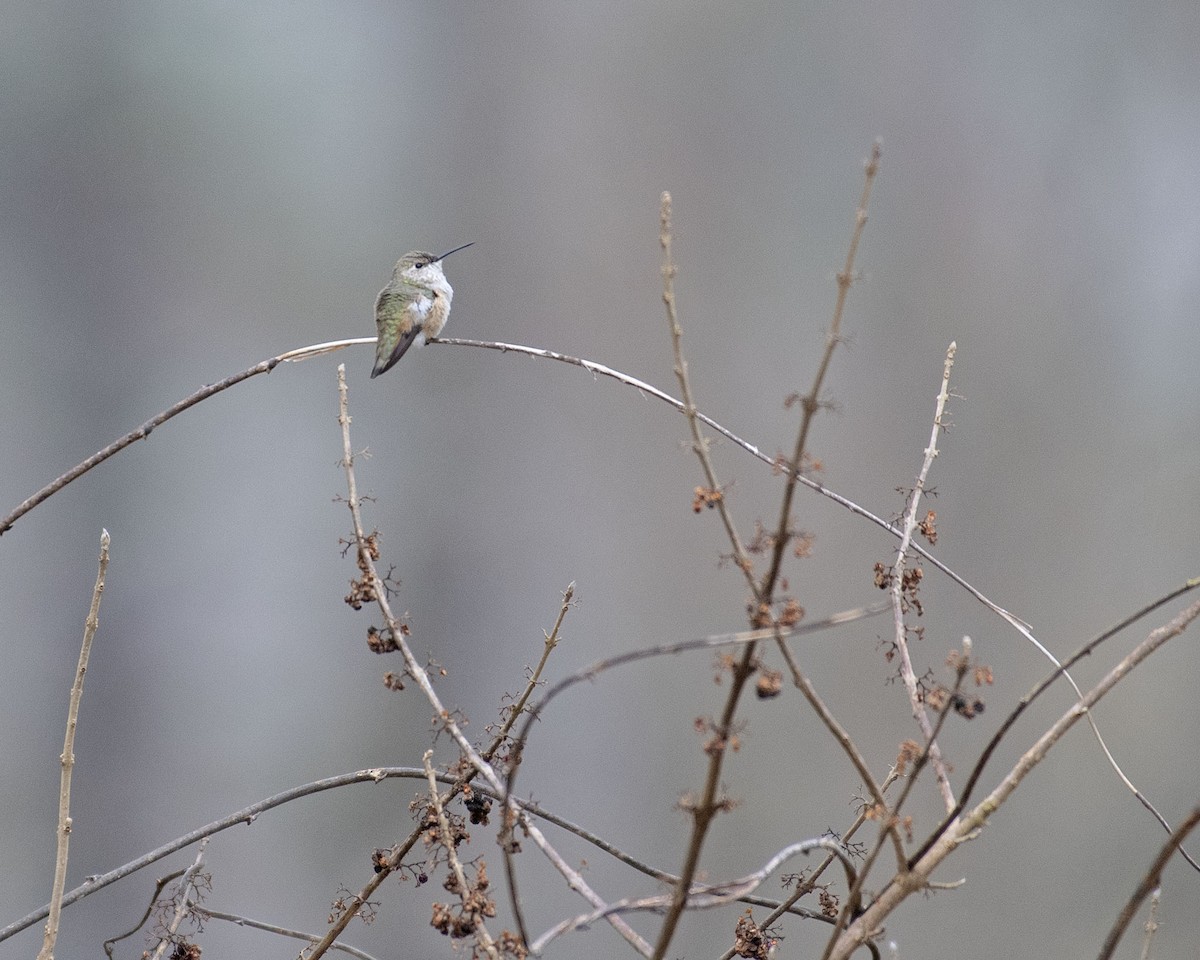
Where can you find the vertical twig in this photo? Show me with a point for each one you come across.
(898, 603)
(703, 809)
(535, 677)
(468, 896)
(184, 905)
(67, 759)
(812, 402)
(699, 441)
(1151, 927)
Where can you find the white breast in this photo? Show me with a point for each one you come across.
(420, 309)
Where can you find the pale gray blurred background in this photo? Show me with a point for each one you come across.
(188, 189)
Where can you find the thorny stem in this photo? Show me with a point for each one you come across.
(900, 637)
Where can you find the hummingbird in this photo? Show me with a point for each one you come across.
(413, 306)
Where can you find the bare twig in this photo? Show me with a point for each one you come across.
(853, 902)
(590, 672)
(1148, 885)
(159, 884)
(899, 603)
(596, 369)
(468, 896)
(537, 710)
(246, 815)
(704, 810)
(812, 401)
(699, 442)
(1060, 671)
(249, 814)
(535, 677)
(706, 807)
(843, 739)
(421, 678)
(1151, 928)
(241, 921)
(810, 404)
(969, 824)
(600, 370)
(701, 896)
(810, 882)
(1037, 752)
(321, 348)
(67, 759)
(183, 906)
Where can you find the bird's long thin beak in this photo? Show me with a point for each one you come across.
(455, 250)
